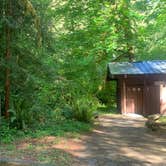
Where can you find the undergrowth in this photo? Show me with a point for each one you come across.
(104, 109)
(62, 128)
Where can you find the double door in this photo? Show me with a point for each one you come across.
(143, 100)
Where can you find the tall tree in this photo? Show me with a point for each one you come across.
(10, 19)
(8, 14)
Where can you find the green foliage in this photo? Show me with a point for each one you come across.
(107, 94)
(151, 30)
(19, 116)
(6, 133)
(84, 108)
(63, 127)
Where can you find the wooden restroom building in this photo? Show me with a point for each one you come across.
(141, 86)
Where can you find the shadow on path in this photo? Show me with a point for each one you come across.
(122, 141)
(117, 141)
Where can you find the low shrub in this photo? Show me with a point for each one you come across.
(6, 133)
(84, 108)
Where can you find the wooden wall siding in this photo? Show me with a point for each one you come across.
(163, 99)
(145, 99)
(118, 93)
(123, 97)
(152, 100)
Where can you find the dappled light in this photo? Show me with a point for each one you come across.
(122, 140)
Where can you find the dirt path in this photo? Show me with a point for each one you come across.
(116, 141)
(119, 141)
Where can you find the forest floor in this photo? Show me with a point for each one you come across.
(116, 141)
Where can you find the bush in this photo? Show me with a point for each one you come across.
(6, 133)
(107, 95)
(84, 108)
(67, 112)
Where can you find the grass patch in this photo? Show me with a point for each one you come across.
(162, 119)
(107, 110)
(62, 129)
(65, 128)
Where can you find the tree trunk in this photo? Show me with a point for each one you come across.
(7, 56)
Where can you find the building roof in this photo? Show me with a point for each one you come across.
(135, 68)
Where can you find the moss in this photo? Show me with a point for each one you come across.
(162, 119)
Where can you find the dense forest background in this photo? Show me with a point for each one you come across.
(53, 54)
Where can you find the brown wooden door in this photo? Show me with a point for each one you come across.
(152, 100)
(134, 100)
